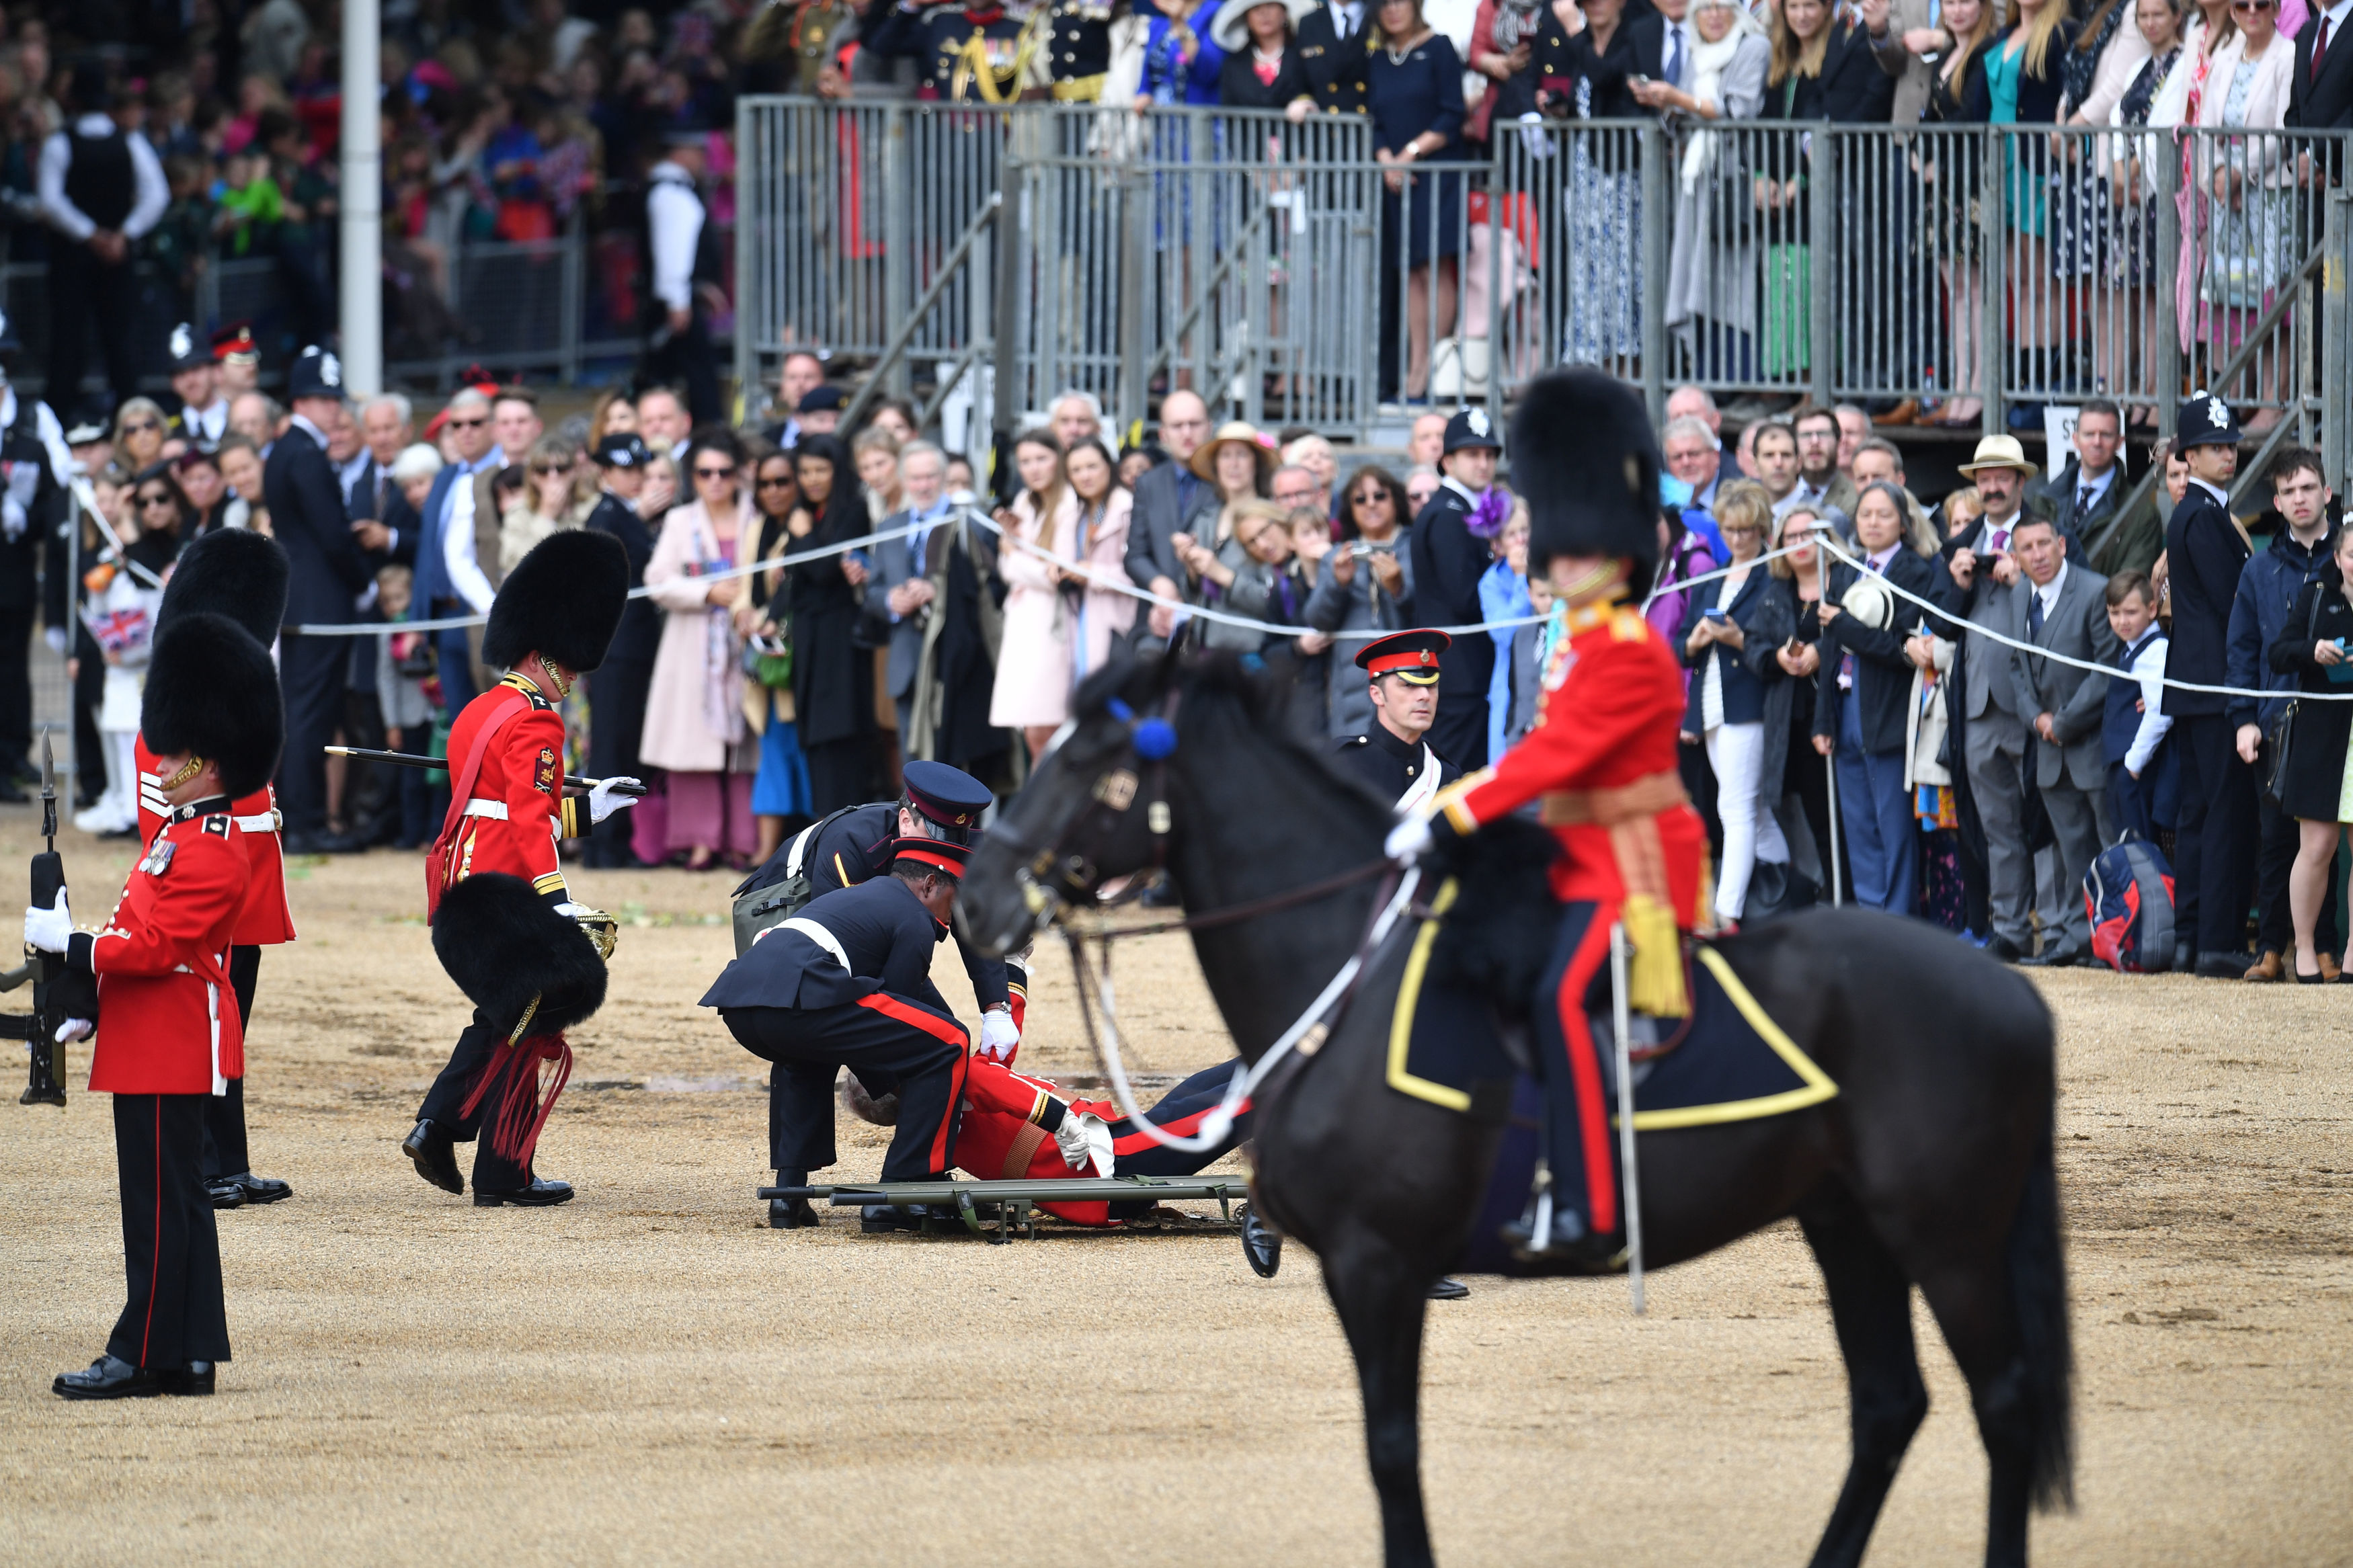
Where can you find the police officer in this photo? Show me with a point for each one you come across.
(165, 1044)
(616, 691)
(1079, 46)
(681, 265)
(857, 844)
(977, 52)
(202, 414)
(848, 982)
(1450, 550)
(2204, 552)
(1394, 757)
(1334, 48)
(236, 572)
(551, 623)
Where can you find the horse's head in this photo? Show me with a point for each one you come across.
(1095, 808)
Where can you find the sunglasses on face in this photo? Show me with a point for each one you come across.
(777, 482)
(2252, 6)
(1371, 498)
(704, 473)
(474, 423)
(155, 500)
(545, 470)
(138, 427)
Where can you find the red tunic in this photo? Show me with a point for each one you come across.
(1001, 1108)
(266, 920)
(517, 809)
(167, 1018)
(1606, 720)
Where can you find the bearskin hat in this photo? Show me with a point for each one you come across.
(231, 572)
(1583, 454)
(563, 601)
(504, 944)
(212, 692)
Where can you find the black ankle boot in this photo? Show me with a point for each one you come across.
(791, 1214)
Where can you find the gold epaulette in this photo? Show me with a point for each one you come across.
(1629, 625)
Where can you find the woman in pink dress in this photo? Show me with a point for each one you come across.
(1061, 615)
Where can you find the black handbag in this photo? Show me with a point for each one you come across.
(2284, 726)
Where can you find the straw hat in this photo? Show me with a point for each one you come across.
(1205, 457)
(1232, 36)
(2001, 452)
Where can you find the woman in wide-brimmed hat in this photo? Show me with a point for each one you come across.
(1219, 460)
(1262, 70)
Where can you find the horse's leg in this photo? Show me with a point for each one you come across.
(1871, 1306)
(1971, 1299)
(1380, 1296)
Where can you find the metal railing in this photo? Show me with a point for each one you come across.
(1272, 268)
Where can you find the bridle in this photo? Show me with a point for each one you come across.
(1061, 879)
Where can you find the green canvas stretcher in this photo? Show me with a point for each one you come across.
(1014, 1200)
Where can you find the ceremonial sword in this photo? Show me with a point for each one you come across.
(441, 765)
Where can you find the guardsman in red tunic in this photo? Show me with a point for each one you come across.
(168, 1034)
(236, 572)
(1601, 766)
(551, 623)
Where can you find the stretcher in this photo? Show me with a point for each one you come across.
(998, 1211)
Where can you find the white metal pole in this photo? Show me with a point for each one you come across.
(1622, 1024)
(361, 316)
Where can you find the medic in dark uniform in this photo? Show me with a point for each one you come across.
(1395, 758)
(168, 1038)
(1601, 765)
(241, 574)
(551, 623)
(859, 845)
(848, 982)
(1450, 548)
(978, 53)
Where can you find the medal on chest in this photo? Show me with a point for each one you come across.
(159, 857)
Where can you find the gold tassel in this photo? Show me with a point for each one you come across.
(1654, 976)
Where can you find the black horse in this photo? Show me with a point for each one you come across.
(1932, 1166)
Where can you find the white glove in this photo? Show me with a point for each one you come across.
(48, 930)
(75, 1029)
(1085, 1142)
(56, 637)
(1407, 839)
(998, 1038)
(603, 802)
(1532, 136)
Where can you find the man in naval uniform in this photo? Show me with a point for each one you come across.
(1334, 48)
(1394, 758)
(1078, 47)
(981, 52)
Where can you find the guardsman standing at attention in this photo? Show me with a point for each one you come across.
(1601, 761)
(236, 572)
(168, 1038)
(1394, 757)
(858, 845)
(551, 623)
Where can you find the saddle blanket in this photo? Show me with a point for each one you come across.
(1728, 1062)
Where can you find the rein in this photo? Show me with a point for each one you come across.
(1273, 903)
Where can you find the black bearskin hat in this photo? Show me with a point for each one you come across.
(231, 572)
(212, 692)
(1583, 454)
(504, 944)
(563, 601)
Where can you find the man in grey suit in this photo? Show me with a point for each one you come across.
(1982, 577)
(1169, 501)
(2063, 608)
(898, 594)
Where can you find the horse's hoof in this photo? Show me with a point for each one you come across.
(1261, 1245)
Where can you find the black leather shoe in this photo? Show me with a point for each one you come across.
(257, 1189)
(1570, 1244)
(106, 1378)
(2184, 957)
(2059, 958)
(791, 1214)
(880, 1219)
(191, 1381)
(1261, 1245)
(224, 1194)
(2224, 965)
(538, 1195)
(2002, 947)
(1449, 1289)
(433, 1152)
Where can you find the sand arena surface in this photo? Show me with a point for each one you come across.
(649, 1375)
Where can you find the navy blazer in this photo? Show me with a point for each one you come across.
(1744, 693)
(883, 928)
(1882, 673)
(326, 568)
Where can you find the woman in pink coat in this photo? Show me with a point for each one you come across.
(1059, 626)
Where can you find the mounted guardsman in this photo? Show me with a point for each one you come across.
(1601, 763)
(168, 1041)
(857, 844)
(551, 623)
(1395, 756)
(236, 572)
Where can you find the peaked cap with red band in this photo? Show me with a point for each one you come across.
(1411, 657)
(937, 853)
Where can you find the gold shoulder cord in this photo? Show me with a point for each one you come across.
(973, 68)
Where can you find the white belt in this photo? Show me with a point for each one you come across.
(496, 810)
(819, 936)
(260, 822)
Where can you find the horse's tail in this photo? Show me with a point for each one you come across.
(2038, 1289)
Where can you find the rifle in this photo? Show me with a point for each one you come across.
(441, 765)
(46, 1084)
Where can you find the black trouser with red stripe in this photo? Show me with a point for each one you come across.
(1577, 1111)
(225, 1151)
(922, 1048)
(1136, 1152)
(444, 1102)
(174, 1313)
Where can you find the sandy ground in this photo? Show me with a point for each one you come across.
(649, 1375)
